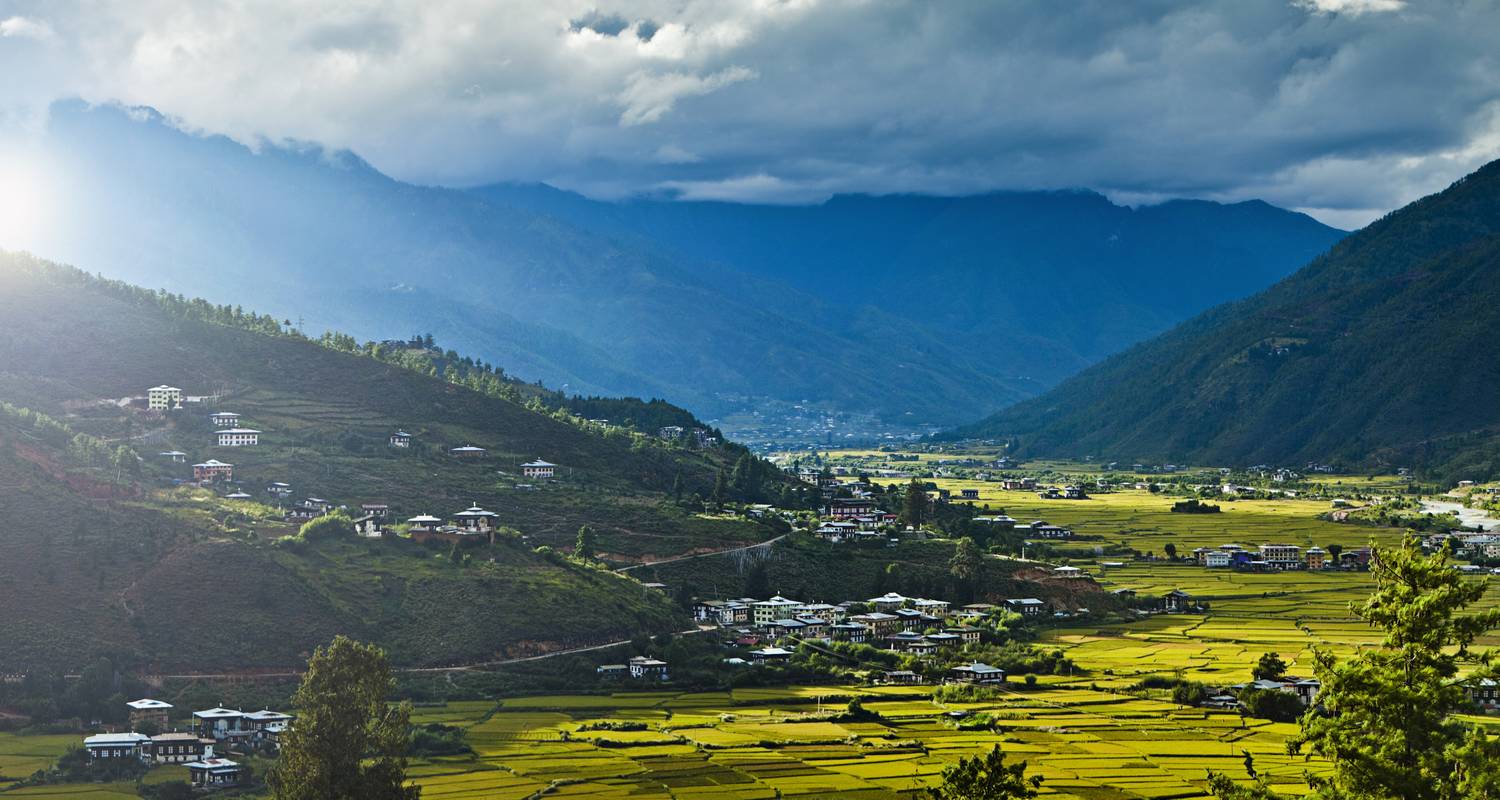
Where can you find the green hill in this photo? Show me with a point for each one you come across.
(1380, 352)
(102, 552)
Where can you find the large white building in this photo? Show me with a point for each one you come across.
(238, 437)
(538, 469)
(162, 398)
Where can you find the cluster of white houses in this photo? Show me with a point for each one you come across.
(914, 625)
(220, 728)
(1279, 557)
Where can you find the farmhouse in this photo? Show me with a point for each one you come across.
(177, 456)
(889, 601)
(225, 419)
(213, 772)
(212, 470)
(400, 439)
(977, 673)
(1176, 601)
(969, 494)
(643, 667)
(849, 632)
(116, 745)
(467, 451)
(770, 654)
(538, 469)
(178, 748)
(778, 607)
(162, 398)
(147, 710)
(238, 437)
(851, 507)
(1026, 606)
(221, 724)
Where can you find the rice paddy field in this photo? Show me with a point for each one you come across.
(1086, 742)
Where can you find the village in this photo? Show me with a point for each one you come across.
(201, 744)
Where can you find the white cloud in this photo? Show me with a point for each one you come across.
(648, 97)
(25, 28)
(1354, 7)
(1322, 104)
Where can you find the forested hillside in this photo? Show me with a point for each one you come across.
(103, 552)
(1379, 353)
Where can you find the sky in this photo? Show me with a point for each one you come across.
(1344, 109)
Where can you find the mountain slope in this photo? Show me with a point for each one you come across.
(1042, 283)
(1379, 352)
(103, 554)
(922, 310)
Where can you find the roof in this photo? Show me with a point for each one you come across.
(539, 463)
(146, 703)
(424, 518)
(468, 448)
(475, 511)
(219, 713)
(770, 651)
(979, 668)
(164, 387)
(176, 736)
(402, 433)
(213, 765)
(115, 739)
(267, 715)
(213, 463)
(236, 430)
(225, 414)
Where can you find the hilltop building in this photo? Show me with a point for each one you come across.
(225, 419)
(467, 451)
(163, 398)
(212, 470)
(238, 437)
(538, 469)
(400, 439)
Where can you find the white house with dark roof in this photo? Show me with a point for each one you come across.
(213, 772)
(116, 745)
(977, 673)
(221, 724)
(538, 469)
(237, 437)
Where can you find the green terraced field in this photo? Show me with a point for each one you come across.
(1087, 742)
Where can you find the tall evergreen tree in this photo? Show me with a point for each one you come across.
(583, 546)
(348, 743)
(1388, 718)
(986, 777)
(914, 505)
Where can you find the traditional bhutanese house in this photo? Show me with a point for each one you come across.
(849, 508)
(116, 745)
(162, 398)
(221, 724)
(823, 611)
(967, 634)
(213, 772)
(1068, 572)
(945, 639)
(238, 437)
(178, 748)
(147, 710)
(888, 601)
(400, 439)
(475, 520)
(878, 622)
(813, 627)
(259, 721)
(784, 627)
(937, 608)
(237, 496)
(770, 654)
(467, 451)
(1176, 601)
(900, 677)
(849, 632)
(977, 673)
(213, 470)
(279, 489)
(1484, 693)
(225, 419)
(538, 469)
(177, 456)
(911, 619)
(643, 667)
(1026, 606)
(778, 607)
(970, 494)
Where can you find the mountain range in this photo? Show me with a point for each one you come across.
(912, 311)
(1380, 353)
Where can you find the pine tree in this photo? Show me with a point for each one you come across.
(914, 505)
(721, 491)
(1388, 719)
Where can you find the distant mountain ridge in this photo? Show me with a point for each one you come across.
(1380, 353)
(921, 310)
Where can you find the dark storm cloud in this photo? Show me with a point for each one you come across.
(1344, 107)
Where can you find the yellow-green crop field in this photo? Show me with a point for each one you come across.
(1086, 743)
